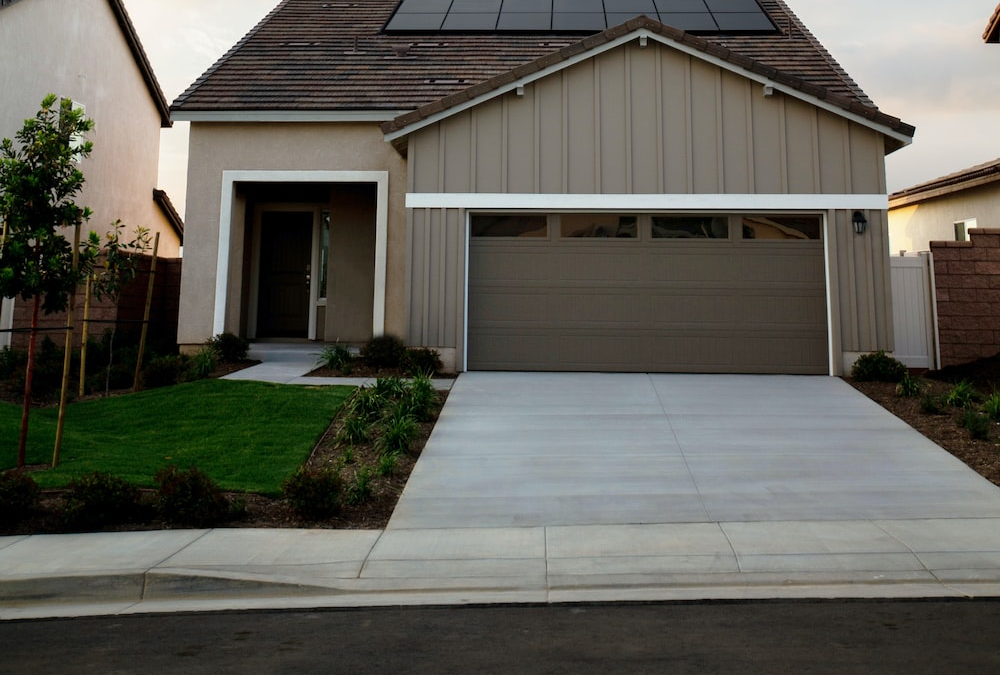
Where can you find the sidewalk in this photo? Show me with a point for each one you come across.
(794, 512)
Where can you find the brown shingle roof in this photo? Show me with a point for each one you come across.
(330, 55)
(981, 174)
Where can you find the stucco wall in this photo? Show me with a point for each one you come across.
(219, 147)
(75, 49)
(914, 226)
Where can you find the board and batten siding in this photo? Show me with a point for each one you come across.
(647, 120)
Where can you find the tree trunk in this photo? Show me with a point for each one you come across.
(29, 372)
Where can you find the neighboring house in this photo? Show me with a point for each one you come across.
(567, 189)
(992, 32)
(945, 209)
(88, 51)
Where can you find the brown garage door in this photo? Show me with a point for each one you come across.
(604, 292)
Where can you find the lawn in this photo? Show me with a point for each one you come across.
(247, 436)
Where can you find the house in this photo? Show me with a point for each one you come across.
(616, 185)
(88, 51)
(992, 33)
(945, 209)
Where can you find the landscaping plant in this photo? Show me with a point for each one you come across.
(229, 348)
(189, 498)
(39, 182)
(337, 357)
(962, 395)
(423, 361)
(99, 498)
(992, 406)
(908, 386)
(384, 351)
(314, 494)
(878, 367)
(977, 424)
(18, 495)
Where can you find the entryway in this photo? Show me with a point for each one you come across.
(284, 300)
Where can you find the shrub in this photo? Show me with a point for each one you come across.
(978, 425)
(423, 361)
(18, 496)
(908, 386)
(189, 498)
(314, 494)
(11, 362)
(229, 348)
(992, 407)
(389, 388)
(420, 398)
(930, 404)
(387, 464)
(366, 403)
(384, 351)
(356, 430)
(396, 432)
(203, 363)
(878, 367)
(962, 395)
(164, 371)
(102, 499)
(360, 489)
(337, 357)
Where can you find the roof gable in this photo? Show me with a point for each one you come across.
(138, 54)
(643, 29)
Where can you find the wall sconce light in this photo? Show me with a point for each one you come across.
(860, 222)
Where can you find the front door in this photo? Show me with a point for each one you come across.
(285, 253)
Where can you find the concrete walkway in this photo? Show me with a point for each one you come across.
(584, 487)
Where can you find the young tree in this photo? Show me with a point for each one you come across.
(39, 180)
(121, 258)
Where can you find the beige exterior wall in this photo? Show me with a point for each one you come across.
(912, 227)
(75, 49)
(277, 147)
(649, 121)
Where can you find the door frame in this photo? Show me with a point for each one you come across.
(231, 178)
(317, 213)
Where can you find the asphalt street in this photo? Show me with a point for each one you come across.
(911, 637)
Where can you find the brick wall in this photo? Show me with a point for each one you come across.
(162, 319)
(967, 277)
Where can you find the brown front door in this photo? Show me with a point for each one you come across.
(285, 253)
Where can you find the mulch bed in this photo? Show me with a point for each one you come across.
(983, 457)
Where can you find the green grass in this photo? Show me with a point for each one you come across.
(247, 436)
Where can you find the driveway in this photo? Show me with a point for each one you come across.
(549, 449)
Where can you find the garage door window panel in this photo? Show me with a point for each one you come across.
(598, 226)
(509, 226)
(782, 228)
(690, 227)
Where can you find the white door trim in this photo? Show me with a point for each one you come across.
(229, 181)
(6, 321)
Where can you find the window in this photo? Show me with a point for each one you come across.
(509, 225)
(962, 228)
(782, 227)
(324, 252)
(598, 225)
(690, 227)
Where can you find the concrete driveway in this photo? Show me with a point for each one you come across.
(550, 449)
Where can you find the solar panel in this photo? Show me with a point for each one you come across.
(576, 16)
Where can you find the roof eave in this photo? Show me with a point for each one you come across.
(169, 212)
(940, 187)
(992, 32)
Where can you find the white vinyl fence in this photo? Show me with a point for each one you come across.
(913, 310)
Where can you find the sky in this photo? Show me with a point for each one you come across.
(923, 61)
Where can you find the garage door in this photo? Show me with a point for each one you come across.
(646, 293)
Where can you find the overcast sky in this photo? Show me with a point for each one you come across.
(921, 60)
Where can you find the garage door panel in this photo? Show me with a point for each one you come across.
(720, 306)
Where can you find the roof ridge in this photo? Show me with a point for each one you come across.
(225, 57)
(971, 173)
